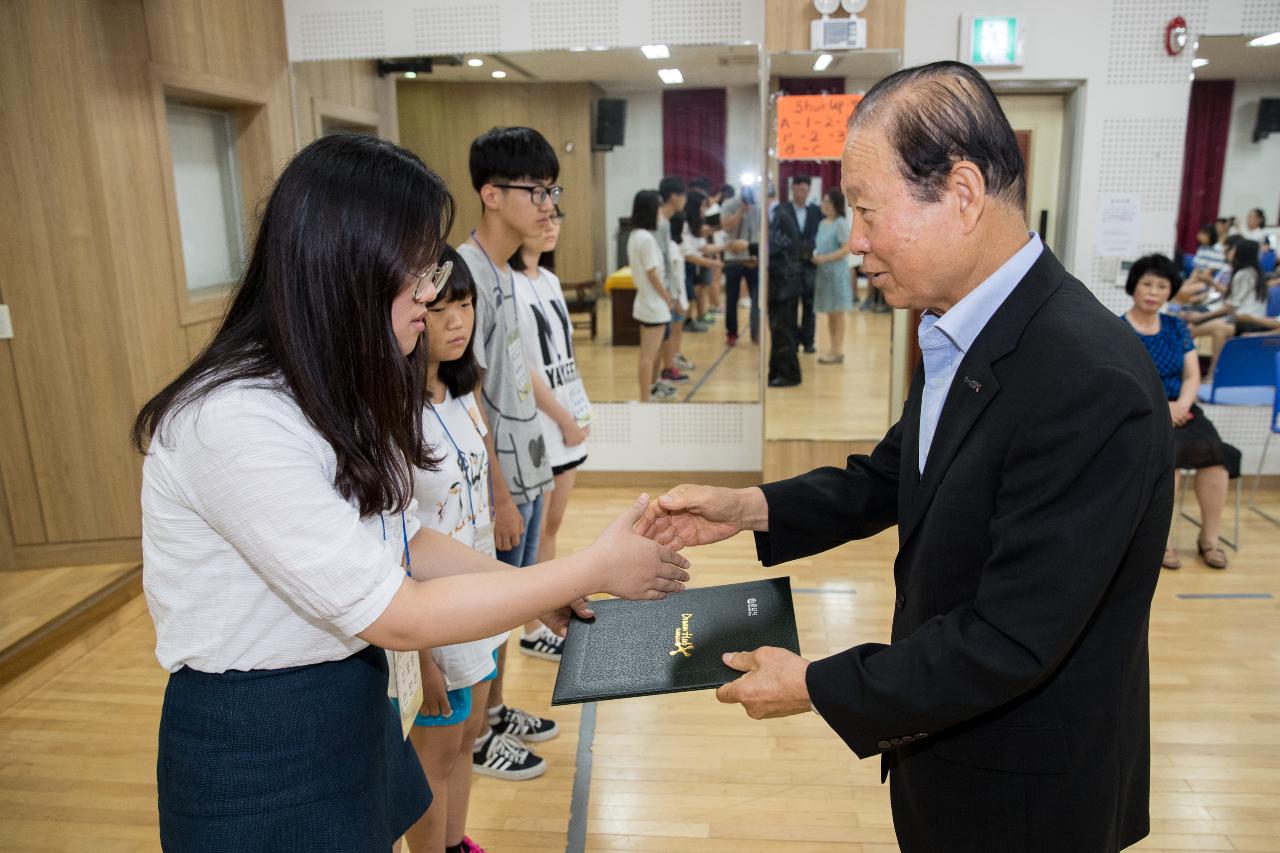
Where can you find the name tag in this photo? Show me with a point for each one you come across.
(579, 405)
(485, 543)
(408, 676)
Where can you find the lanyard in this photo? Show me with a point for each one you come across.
(404, 531)
(462, 459)
(510, 281)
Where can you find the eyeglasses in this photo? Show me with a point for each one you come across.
(539, 194)
(438, 274)
(557, 217)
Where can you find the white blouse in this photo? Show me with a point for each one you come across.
(251, 558)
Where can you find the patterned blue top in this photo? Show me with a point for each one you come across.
(1168, 348)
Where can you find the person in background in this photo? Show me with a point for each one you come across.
(786, 281)
(653, 304)
(672, 359)
(278, 524)
(1152, 282)
(1245, 307)
(513, 171)
(833, 287)
(741, 222)
(453, 500)
(806, 216)
(563, 408)
(699, 262)
(674, 195)
(1255, 224)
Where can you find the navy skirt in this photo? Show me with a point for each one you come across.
(304, 758)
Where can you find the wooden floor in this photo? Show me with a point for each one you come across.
(77, 755)
(30, 598)
(609, 372)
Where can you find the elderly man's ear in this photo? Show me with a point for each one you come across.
(970, 193)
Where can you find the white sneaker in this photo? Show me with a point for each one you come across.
(543, 643)
(682, 362)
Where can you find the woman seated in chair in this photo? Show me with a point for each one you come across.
(1153, 281)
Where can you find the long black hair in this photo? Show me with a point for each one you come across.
(644, 210)
(463, 374)
(350, 220)
(1245, 257)
(693, 212)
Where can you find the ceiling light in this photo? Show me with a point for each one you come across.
(1192, 76)
(822, 62)
(670, 76)
(499, 74)
(409, 75)
(1199, 63)
(1266, 41)
(475, 62)
(655, 51)
(578, 49)
(748, 179)
(599, 47)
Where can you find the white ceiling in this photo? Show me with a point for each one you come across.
(616, 71)
(1230, 58)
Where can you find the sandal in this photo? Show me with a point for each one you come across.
(1213, 556)
(1171, 559)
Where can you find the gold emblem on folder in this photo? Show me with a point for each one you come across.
(684, 637)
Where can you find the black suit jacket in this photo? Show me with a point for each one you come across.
(808, 234)
(1012, 705)
(785, 263)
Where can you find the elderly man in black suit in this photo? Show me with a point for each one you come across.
(806, 217)
(1030, 478)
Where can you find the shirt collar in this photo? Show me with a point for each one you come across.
(970, 315)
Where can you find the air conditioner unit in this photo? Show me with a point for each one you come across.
(838, 34)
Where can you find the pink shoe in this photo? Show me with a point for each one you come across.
(469, 846)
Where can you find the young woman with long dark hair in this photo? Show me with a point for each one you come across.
(278, 524)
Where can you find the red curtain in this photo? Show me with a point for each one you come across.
(693, 134)
(827, 170)
(1205, 151)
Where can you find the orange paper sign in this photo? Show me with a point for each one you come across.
(812, 127)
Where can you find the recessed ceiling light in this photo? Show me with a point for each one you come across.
(670, 76)
(578, 49)
(655, 51)
(409, 75)
(599, 47)
(1199, 63)
(1192, 76)
(748, 179)
(822, 62)
(499, 74)
(1266, 41)
(475, 62)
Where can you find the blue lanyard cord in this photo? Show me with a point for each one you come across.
(510, 280)
(462, 462)
(404, 531)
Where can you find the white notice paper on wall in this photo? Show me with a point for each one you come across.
(1119, 220)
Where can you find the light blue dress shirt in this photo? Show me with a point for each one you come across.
(802, 214)
(945, 339)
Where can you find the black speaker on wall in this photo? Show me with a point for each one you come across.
(610, 124)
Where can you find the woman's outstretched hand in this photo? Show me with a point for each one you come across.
(633, 566)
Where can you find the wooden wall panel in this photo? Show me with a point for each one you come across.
(786, 24)
(786, 458)
(438, 121)
(347, 90)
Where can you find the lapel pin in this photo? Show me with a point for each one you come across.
(973, 383)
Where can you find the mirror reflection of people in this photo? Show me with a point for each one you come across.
(741, 222)
(1152, 282)
(833, 287)
(806, 215)
(278, 523)
(1031, 481)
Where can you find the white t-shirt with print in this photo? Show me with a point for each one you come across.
(454, 500)
(644, 255)
(547, 335)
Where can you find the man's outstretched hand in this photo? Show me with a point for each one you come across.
(699, 515)
(774, 684)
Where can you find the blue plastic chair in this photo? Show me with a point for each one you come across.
(1245, 375)
(1275, 428)
(1267, 261)
(1273, 301)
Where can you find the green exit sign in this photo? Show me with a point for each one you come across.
(992, 41)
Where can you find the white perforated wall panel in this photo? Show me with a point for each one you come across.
(375, 29)
(560, 23)
(1259, 17)
(675, 437)
(1246, 427)
(1136, 53)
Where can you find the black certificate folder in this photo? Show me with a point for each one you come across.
(639, 648)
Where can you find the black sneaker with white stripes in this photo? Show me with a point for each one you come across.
(543, 643)
(505, 757)
(528, 727)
